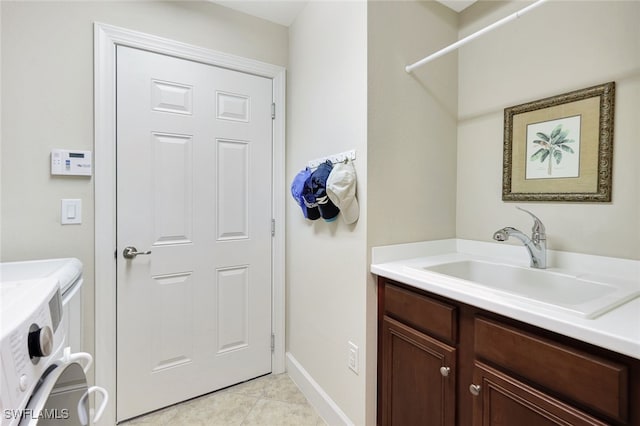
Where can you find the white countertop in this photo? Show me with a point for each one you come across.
(617, 330)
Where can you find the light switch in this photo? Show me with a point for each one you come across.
(71, 212)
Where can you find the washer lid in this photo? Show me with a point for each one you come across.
(21, 301)
(67, 271)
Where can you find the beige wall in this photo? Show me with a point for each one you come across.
(47, 102)
(326, 262)
(411, 123)
(347, 89)
(559, 47)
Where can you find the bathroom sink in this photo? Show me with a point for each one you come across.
(585, 296)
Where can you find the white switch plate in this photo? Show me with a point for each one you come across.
(353, 357)
(71, 211)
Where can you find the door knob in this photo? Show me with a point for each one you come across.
(131, 252)
(474, 389)
(445, 371)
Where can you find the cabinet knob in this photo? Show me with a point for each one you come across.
(445, 371)
(474, 389)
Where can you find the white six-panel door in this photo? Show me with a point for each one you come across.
(194, 158)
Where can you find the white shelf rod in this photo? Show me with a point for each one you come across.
(475, 35)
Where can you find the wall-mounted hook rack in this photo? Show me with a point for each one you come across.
(334, 158)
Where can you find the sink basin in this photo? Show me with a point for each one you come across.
(585, 296)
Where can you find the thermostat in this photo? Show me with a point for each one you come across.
(70, 163)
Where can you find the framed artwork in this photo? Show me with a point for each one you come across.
(560, 148)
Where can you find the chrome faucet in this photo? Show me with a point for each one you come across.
(536, 245)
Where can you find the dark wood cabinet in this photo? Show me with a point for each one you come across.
(418, 379)
(502, 400)
(442, 362)
(588, 379)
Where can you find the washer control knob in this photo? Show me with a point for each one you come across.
(23, 382)
(40, 341)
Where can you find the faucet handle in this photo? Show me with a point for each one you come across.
(538, 230)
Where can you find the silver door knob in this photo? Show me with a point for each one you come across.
(474, 389)
(131, 252)
(445, 371)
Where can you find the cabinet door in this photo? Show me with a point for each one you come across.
(418, 378)
(502, 400)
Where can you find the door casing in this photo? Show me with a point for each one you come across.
(106, 38)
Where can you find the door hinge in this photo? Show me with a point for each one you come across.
(273, 342)
(273, 111)
(273, 227)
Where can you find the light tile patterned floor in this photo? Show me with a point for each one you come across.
(272, 400)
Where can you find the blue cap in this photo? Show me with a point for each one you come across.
(308, 195)
(297, 187)
(328, 210)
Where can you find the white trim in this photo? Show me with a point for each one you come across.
(106, 38)
(318, 398)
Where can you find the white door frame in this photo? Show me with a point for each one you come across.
(106, 38)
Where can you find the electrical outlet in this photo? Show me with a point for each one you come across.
(353, 357)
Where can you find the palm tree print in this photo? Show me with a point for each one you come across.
(552, 147)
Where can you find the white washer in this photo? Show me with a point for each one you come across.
(68, 272)
(42, 381)
(31, 337)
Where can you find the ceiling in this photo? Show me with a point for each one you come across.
(457, 5)
(284, 12)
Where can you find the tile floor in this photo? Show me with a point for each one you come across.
(272, 400)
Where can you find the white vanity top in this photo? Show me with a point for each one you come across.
(617, 329)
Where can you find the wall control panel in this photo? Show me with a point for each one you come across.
(70, 163)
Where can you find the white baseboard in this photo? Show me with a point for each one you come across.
(318, 398)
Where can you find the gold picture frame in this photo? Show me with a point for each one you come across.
(560, 148)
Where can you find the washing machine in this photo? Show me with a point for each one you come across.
(68, 272)
(42, 381)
